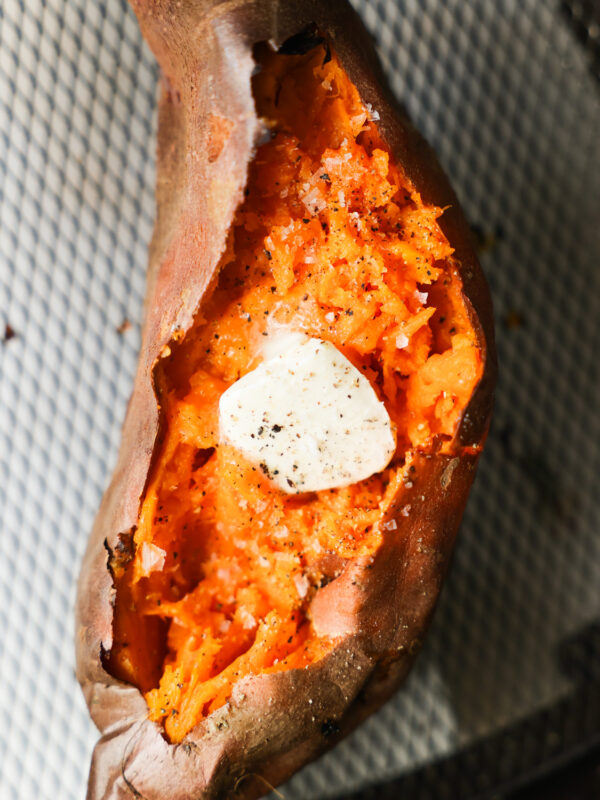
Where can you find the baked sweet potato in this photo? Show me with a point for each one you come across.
(229, 630)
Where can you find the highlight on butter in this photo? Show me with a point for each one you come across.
(309, 419)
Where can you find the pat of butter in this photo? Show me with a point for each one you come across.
(308, 418)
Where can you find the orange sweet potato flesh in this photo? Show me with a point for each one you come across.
(226, 628)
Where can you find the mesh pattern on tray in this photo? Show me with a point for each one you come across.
(507, 94)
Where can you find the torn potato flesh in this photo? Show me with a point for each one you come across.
(331, 240)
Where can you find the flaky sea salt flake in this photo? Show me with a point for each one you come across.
(402, 341)
(153, 558)
(302, 584)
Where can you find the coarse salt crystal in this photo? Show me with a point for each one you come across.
(405, 511)
(390, 525)
(224, 626)
(314, 200)
(302, 584)
(153, 558)
(401, 341)
(332, 163)
(373, 115)
(358, 120)
(330, 316)
(421, 296)
(248, 621)
(355, 217)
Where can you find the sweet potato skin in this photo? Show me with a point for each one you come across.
(207, 134)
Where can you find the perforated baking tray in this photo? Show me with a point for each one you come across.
(508, 93)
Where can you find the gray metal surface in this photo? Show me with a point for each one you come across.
(507, 95)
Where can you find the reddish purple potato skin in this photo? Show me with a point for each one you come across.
(269, 729)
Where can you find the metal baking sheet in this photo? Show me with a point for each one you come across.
(508, 94)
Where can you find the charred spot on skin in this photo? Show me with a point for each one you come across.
(122, 554)
(219, 131)
(104, 655)
(301, 43)
(324, 580)
(329, 728)
(414, 647)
